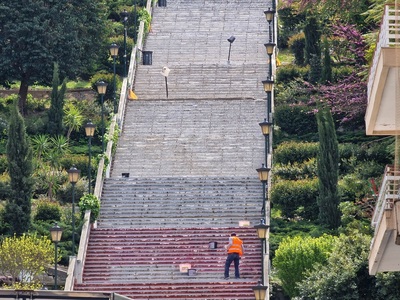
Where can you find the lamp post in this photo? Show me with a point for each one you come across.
(230, 40)
(55, 233)
(260, 291)
(135, 21)
(101, 89)
(265, 129)
(269, 15)
(262, 235)
(263, 173)
(124, 16)
(89, 130)
(270, 50)
(268, 87)
(165, 72)
(73, 176)
(114, 53)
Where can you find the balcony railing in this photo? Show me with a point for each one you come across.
(389, 36)
(388, 192)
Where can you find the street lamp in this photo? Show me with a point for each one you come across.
(265, 129)
(89, 130)
(114, 53)
(124, 16)
(101, 89)
(165, 72)
(268, 87)
(73, 176)
(262, 235)
(230, 40)
(55, 233)
(263, 173)
(269, 15)
(260, 291)
(270, 50)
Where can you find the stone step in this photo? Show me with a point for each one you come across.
(189, 290)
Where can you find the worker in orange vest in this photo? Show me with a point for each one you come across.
(235, 251)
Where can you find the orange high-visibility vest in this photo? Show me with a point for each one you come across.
(236, 246)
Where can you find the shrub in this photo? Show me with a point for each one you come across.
(297, 120)
(92, 203)
(3, 163)
(296, 198)
(353, 188)
(64, 193)
(48, 211)
(291, 152)
(296, 171)
(296, 44)
(107, 78)
(287, 73)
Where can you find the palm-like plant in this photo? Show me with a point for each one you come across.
(73, 118)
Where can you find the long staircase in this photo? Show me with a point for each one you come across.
(183, 177)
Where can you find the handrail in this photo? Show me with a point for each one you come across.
(388, 191)
(75, 269)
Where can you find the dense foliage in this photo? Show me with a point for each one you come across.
(17, 214)
(322, 157)
(44, 32)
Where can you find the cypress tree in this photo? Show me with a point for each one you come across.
(17, 214)
(326, 76)
(56, 112)
(312, 39)
(328, 170)
(314, 75)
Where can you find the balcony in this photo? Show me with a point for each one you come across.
(385, 246)
(383, 110)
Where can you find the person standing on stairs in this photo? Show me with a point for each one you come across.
(235, 251)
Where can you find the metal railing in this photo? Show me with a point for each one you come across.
(75, 269)
(388, 192)
(389, 36)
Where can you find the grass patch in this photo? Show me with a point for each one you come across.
(80, 84)
(285, 57)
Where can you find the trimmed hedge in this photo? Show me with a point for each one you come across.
(296, 198)
(292, 152)
(297, 120)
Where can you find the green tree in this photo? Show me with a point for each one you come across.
(37, 34)
(312, 39)
(295, 256)
(344, 275)
(314, 75)
(328, 170)
(326, 76)
(25, 257)
(17, 213)
(55, 113)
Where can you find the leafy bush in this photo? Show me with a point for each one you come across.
(92, 203)
(79, 161)
(296, 198)
(296, 171)
(3, 163)
(296, 44)
(291, 152)
(64, 193)
(48, 211)
(294, 92)
(296, 120)
(287, 73)
(107, 78)
(297, 255)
